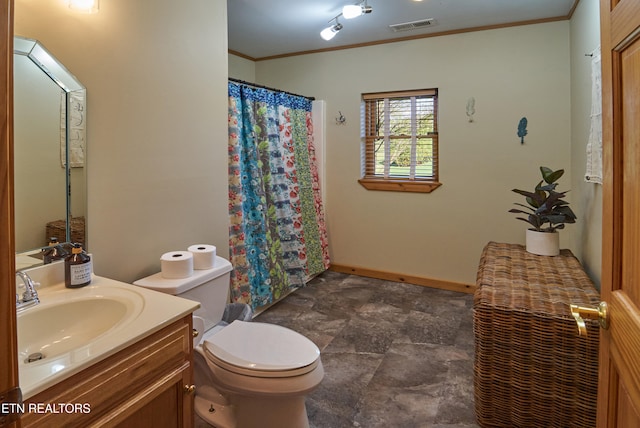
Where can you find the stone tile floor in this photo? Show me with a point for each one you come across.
(394, 354)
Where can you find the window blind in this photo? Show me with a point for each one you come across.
(401, 137)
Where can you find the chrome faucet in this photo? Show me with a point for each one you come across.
(30, 295)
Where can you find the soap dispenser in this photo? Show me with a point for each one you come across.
(77, 268)
(54, 251)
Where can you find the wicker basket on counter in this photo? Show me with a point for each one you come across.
(57, 229)
(532, 369)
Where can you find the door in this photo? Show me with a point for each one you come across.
(8, 347)
(619, 388)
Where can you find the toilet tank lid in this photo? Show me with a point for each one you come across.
(178, 286)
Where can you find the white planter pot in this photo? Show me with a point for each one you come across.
(543, 243)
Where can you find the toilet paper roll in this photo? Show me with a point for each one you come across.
(204, 256)
(176, 264)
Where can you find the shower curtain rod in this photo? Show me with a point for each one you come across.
(255, 85)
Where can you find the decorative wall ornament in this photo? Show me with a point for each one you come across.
(522, 129)
(471, 108)
(77, 129)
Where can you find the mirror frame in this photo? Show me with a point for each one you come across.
(68, 83)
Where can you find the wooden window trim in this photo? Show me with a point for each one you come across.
(399, 185)
(399, 94)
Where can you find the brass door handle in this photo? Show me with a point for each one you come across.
(189, 389)
(601, 313)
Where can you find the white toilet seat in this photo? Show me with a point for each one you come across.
(261, 350)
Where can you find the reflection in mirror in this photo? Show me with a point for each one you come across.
(49, 129)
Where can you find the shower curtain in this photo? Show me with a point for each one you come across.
(277, 234)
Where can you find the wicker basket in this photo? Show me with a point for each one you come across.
(57, 229)
(531, 367)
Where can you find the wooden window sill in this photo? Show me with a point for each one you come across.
(399, 185)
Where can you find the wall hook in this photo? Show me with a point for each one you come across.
(341, 120)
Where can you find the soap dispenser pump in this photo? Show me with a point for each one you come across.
(77, 268)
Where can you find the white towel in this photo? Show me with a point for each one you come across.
(594, 145)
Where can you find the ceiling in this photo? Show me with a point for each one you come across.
(259, 29)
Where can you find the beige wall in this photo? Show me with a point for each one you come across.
(157, 134)
(156, 77)
(242, 68)
(511, 73)
(587, 197)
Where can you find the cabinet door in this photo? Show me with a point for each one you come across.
(164, 404)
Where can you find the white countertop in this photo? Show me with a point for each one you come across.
(152, 311)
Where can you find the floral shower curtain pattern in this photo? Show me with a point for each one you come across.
(277, 235)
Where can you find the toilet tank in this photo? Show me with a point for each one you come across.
(209, 287)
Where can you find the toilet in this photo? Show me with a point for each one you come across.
(247, 374)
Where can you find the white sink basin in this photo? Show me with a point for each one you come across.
(54, 328)
(76, 328)
(70, 327)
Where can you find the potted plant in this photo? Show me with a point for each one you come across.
(546, 212)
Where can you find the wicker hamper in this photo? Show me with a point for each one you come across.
(531, 367)
(57, 229)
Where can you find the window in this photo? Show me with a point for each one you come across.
(400, 147)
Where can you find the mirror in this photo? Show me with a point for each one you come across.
(49, 129)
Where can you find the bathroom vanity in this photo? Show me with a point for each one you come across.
(136, 370)
(146, 384)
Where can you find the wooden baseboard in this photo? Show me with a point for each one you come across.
(397, 277)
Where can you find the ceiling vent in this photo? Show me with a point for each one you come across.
(413, 25)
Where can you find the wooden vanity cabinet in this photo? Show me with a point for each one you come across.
(144, 385)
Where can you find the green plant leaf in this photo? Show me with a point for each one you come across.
(556, 219)
(567, 212)
(548, 187)
(535, 221)
(533, 198)
(524, 206)
(549, 175)
(517, 211)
